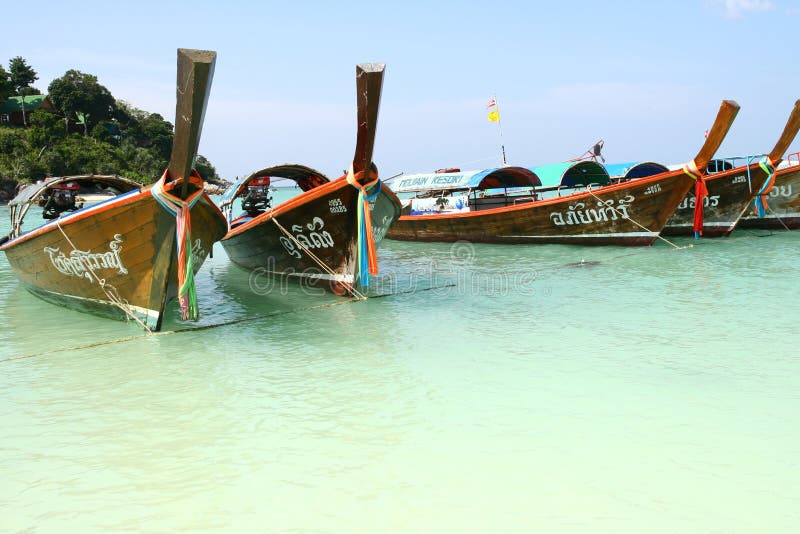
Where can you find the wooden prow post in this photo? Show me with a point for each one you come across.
(369, 82)
(725, 117)
(788, 135)
(195, 71)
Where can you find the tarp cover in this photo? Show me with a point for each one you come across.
(121, 184)
(635, 169)
(305, 177)
(463, 180)
(571, 174)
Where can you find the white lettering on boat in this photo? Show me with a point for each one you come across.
(199, 254)
(82, 263)
(379, 230)
(741, 179)
(708, 202)
(655, 188)
(314, 239)
(605, 211)
(781, 191)
(337, 206)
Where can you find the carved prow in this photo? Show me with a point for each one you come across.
(369, 82)
(725, 117)
(195, 71)
(788, 135)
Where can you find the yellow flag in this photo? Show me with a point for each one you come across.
(494, 116)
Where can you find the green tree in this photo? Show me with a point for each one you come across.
(27, 91)
(77, 92)
(45, 130)
(13, 150)
(157, 133)
(206, 169)
(6, 87)
(22, 76)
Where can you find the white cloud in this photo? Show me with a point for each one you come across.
(736, 9)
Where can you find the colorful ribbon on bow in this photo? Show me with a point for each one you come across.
(760, 199)
(700, 194)
(181, 210)
(367, 256)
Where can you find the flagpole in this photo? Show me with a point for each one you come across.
(500, 126)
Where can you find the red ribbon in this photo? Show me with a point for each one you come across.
(700, 194)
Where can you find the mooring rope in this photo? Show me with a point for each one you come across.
(215, 325)
(626, 216)
(113, 293)
(779, 219)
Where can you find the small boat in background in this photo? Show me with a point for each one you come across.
(726, 191)
(138, 247)
(622, 172)
(329, 231)
(778, 206)
(571, 202)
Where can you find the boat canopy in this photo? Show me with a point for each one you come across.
(305, 177)
(635, 169)
(572, 174)
(503, 177)
(88, 188)
(87, 182)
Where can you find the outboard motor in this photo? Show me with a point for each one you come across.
(61, 199)
(257, 199)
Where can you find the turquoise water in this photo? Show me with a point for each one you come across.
(501, 389)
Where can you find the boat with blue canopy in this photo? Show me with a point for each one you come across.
(572, 202)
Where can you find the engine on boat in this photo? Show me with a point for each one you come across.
(60, 198)
(257, 200)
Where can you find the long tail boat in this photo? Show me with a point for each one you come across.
(329, 231)
(127, 255)
(730, 189)
(517, 205)
(778, 206)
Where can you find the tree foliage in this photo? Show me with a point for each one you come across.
(206, 169)
(22, 75)
(117, 138)
(6, 87)
(78, 95)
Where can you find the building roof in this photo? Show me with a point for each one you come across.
(14, 103)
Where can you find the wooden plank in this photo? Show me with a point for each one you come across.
(725, 117)
(195, 71)
(369, 83)
(788, 135)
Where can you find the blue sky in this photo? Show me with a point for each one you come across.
(648, 80)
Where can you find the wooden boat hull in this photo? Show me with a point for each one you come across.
(604, 216)
(729, 195)
(323, 220)
(783, 203)
(124, 247)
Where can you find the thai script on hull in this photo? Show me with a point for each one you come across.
(604, 211)
(314, 238)
(82, 263)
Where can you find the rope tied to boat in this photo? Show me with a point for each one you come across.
(367, 256)
(700, 194)
(181, 210)
(643, 227)
(760, 199)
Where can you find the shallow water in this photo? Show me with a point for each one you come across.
(500, 389)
